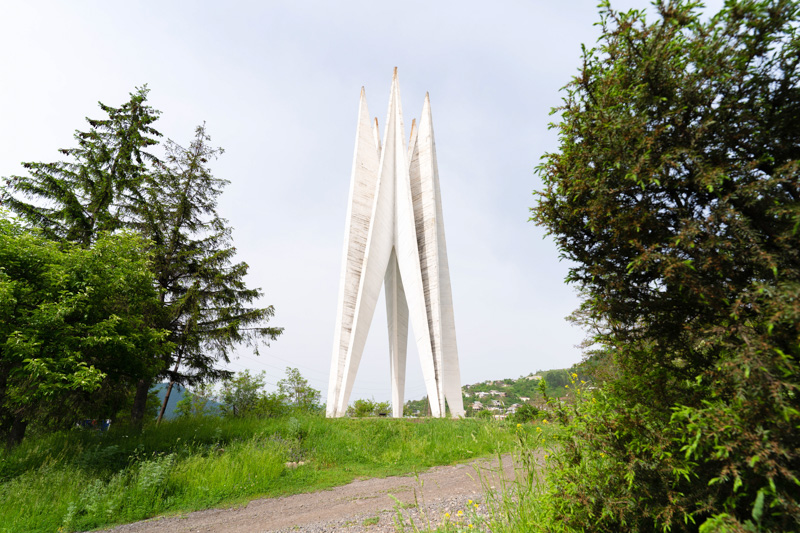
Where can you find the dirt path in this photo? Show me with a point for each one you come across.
(361, 506)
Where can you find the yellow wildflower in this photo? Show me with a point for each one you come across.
(446, 516)
(460, 512)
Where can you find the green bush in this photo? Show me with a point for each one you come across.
(361, 408)
(675, 194)
(525, 413)
(484, 414)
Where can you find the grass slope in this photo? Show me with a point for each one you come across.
(80, 480)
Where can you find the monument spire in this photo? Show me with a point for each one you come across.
(394, 236)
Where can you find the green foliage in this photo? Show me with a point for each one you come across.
(206, 305)
(72, 332)
(299, 394)
(79, 480)
(525, 413)
(243, 395)
(273, 404)
(240, 394)
(74, 200)
(484, 414)
(418, 407)
(361, 408)
(556, 378)
(675, 195)
(195, 402)
(110, 182)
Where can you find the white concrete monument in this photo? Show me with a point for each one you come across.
(394, 235)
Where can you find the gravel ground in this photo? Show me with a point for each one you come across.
(361, 506)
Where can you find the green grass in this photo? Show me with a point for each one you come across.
(519, 505)
(80, 480)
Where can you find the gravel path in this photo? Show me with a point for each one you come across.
(361, 506)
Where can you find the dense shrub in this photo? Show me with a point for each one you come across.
(361, 408)
(675, 195)
(525, 413)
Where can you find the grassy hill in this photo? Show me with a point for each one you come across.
(79, 480)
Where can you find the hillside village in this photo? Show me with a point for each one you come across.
(502, 397)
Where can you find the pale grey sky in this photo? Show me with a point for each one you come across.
(277, 83)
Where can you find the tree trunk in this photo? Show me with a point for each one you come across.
(17, 432)
(164, 403)
(169, 389)
(140, 402)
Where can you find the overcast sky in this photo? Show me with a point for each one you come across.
(277, 83)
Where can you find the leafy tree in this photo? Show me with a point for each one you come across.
(111, 181)
(240, 393)
(299, 394)
(675, 195)
(72, 327)
(272, 405)
(195, 401)
(419, 407)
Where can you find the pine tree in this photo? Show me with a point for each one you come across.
(76, 199)
(110, 182)
(207, 306)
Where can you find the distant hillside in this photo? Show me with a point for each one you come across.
(503, 396)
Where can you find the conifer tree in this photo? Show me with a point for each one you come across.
(111, 181)
(73, 200)
(675, 194)
(207, 307)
